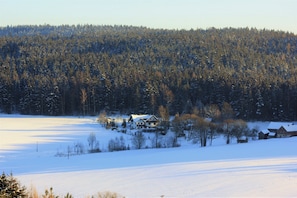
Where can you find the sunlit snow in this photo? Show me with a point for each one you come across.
(29, 144)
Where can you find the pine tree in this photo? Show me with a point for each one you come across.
(10, 187)
(259, 103)
(49, 194)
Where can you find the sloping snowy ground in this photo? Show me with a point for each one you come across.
(28, 146)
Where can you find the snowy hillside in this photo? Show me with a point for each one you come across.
(29, 145)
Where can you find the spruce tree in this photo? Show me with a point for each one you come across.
(10, 187)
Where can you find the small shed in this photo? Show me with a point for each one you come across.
(266, 134)
(242, 139)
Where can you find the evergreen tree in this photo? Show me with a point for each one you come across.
(44, 70)
(10, 187)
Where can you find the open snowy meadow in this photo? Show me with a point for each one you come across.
(35, 149)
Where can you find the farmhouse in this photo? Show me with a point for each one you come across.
(279, 129)
(275, 126)
(143, 121)
(287, 130)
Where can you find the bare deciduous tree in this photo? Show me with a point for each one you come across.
(212, 131)
(138, 140)
(200, 130)
(177, 125)
(102, 119)
(239, 129)
(228, 129)
(93, 143)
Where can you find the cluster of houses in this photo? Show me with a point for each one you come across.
(278, 130)
(274, 129)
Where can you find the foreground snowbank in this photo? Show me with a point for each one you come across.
(219, 178)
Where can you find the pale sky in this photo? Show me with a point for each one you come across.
(167, 14)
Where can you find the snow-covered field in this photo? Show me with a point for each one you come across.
(28, 145)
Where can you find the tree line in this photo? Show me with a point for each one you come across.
(84, 69)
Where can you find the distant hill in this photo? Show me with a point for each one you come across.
(65, 70)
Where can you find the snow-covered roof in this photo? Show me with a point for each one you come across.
(139, 118)
(265, 131)
(242, 138)
(271, 133)
(290, 127)
(277, 125)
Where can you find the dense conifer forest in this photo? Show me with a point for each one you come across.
(84, 69)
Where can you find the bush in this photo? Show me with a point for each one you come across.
(79, 148)
(33, 192)
(172, 142)
(102, 119)
(49, 194)
(117, 144)
(108, 194)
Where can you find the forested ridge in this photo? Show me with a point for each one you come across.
(84, 69)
